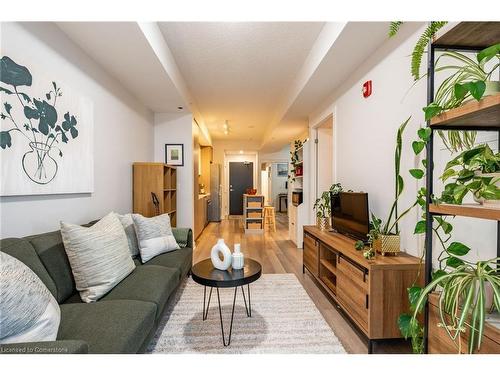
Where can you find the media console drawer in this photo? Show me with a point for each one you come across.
(356, 273)
(310, 254)
(372, 293)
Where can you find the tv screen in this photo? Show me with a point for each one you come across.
(350, 215)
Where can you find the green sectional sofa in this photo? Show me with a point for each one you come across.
(124, 320)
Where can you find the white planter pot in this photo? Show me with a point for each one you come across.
(489, 202)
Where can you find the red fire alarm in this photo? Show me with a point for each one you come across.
(367, 89)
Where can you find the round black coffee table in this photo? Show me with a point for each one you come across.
(206, 274)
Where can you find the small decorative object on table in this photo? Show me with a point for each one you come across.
(238, 260)
(221, 248)
(387, 244)
(251, 191)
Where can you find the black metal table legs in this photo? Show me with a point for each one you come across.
(248, 309)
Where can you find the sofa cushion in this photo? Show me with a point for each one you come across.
(28, 311)
(50, 249)
(22, 250)
(99, 256)
(181, 259)
(147, 283)
(108, 326)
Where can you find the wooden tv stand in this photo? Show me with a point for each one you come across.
(373, 293)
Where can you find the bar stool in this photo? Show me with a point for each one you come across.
(269, 217)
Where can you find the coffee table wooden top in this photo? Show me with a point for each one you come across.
(206, 274)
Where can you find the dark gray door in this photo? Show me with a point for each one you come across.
(240, 179)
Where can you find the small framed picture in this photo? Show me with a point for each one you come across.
(174, 154)
(282, 169)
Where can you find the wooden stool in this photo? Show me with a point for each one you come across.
(269, 217)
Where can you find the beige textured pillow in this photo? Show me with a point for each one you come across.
(28, 312)
(99, 256)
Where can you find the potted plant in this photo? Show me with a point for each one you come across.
(476, 171)
(384, 235)
(323, 207)
(469, 79)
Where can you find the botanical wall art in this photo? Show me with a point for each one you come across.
(174, 154)
(45, 135)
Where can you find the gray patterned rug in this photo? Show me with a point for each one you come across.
(284, 320)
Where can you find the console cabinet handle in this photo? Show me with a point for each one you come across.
(367, 301)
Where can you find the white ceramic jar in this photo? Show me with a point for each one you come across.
(238, 259)
(219, 250)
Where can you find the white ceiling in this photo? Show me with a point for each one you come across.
(264, 78)
(123, 51)
(239, 71)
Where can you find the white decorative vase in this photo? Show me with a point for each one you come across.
(221, 249)
(238, 259)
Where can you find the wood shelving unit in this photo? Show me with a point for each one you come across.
(472, 115)
(253, 213)
(467, 34)
(157, 178)
(469, 210)
(483, 113)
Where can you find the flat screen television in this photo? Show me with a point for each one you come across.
(350, 214)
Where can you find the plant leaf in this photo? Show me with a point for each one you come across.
(404, 324)
(419, 227)
(458, 248)
(488, 53)
(418, 146)
(454, 262)
(417, 173)
(424, 134)
(8, 107)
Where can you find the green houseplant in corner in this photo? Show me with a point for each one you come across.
(323, 208)
(385, 235)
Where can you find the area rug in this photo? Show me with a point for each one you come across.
(284, 320)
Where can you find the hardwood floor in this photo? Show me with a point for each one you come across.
(277, 254)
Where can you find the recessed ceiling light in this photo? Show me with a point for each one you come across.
(180, 108)
(241, 151)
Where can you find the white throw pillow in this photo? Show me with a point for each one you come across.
(154, 235)
(28, 311)
(99, 256)
(128, 225)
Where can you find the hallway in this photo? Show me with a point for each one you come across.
(277, 254)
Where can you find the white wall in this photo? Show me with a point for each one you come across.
(178, 128)
(278, 185)
(123, 132)
(364, 141)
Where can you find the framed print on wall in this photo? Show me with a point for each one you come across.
(174, 154)
(282, 169)
(46, 132)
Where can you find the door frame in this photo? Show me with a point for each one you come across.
(235, 156)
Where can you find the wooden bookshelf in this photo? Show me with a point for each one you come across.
(157, 178)
(469, 34)
(469, 210)
(483, 113)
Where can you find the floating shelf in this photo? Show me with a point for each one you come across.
(470, 210)
(469, 34)
(483, 113)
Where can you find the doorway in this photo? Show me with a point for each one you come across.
(240, 179)
(324, 159)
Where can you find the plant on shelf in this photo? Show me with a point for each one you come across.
(455, 278)
(476, 171)
(469, 79)
(384, 235)
(323, 207)
(295, 159)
